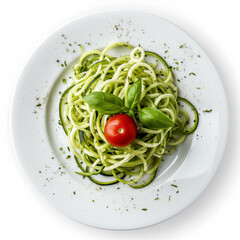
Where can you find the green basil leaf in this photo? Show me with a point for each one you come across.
(125, 109)
(134, 94)
(153, 118)
(105, 103)
(131, 114)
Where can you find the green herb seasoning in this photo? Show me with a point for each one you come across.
(207, 111)
(182, 45)
(192, 73)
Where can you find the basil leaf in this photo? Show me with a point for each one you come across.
(134, 94)
(153, 118)
(125, 109)
(131, 114)
(105, 103)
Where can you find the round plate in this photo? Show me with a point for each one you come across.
(41, 144)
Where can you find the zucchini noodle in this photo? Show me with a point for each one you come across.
(137, 163)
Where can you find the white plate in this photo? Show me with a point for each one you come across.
(37, 137)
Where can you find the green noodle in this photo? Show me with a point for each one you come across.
(97, 71)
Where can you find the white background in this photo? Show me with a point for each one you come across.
(214, 24)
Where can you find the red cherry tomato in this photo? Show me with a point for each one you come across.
(120, 130)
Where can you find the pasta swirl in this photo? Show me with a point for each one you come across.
(98, 71)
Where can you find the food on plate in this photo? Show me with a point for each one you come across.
(122, 115)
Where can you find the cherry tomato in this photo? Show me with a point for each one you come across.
(120, 130)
